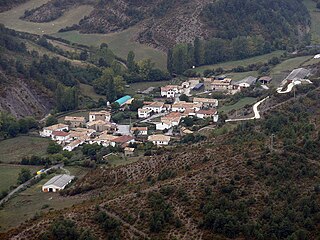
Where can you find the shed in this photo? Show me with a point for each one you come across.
(246, 82)
(265, 80)
(123, 100)
(297, 74)
(57, 183)
(198, 86)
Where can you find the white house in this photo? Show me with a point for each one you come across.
(101, 115)
(57, 183)
(159, 139)
(163, 125)
(170, 91)
(141, 131)
(144, 113)
(60, 136)
(74, 144)
(182, 106)
(156, 107)
(47, 131)
(210, 113)
(207, 102)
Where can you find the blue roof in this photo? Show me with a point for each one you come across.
(123, 100)
(198, 86)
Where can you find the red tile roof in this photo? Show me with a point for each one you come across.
(123, 139)
(60, 133)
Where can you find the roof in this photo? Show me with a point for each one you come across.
(207, 112)
(59, 180)
(186, 105)
(155, 104)
(249, 80)
(198, 86)
(103, 112)
(204, 100)
(143, 110)
(123, 139)
(74, 119)
(173, 116)
(169, 87)
(299, 73)
(107, 137)
(128, 149)
(123, 100)
(265, 78)
(98, 122)
(159, 137)
(139, 129)
(60, 133)
(56, 126)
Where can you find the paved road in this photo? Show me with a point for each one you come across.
(153, 116)
(23, 185)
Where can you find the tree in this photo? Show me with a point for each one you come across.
(84, 55)
(130, 62)
(135, 105)
(51, 120)
(24, 175)
(184, 97)
(53, 148)
(170, 61)
(197, 52)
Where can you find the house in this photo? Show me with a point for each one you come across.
(124, 100)
(105, 139)
(140, 131)
(246, 82)
(74, 144)
(144, 113)
(265, 80)
(198, 87)
(210, 113)
(122, 140)
(47, 131)
(206, 102)
(159, 139)
(101, 115)
(164, 125)
(129, 152)
(60, 136)
(170, 91)
(182, 106)
(173, 117)
(222, 85)
(156, 107)
(57, 183)
(75, 121)
(101, 126)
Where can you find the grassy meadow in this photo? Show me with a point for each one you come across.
(12, 150)
(240, 104)
(315, 20)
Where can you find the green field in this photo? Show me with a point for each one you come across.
(11, 18)
(244, 62)
(315, 20)
(240, 104)
(12, 150)
(120, 43)
(141, 86)
(9, 174)
(88, 91)
(29, 202)
(240, 76)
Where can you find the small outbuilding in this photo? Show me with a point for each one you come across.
(57, 183)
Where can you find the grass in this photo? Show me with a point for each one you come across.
(88, 91)
(115, 160)
(9, 174)
(12, 150)
(84, 113)
(240, 104)
(12, 19)
(120, 43)
(141, 86)
(242, 75)
(315, 20)
(31, 201)
(244, 62)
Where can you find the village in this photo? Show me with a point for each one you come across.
(161, 121)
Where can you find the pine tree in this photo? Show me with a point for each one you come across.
(130, 62)
(170, 61)
(197, 52)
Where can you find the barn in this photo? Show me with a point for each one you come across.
(57, 183)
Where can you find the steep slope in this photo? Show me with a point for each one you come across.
(230, 186)
(164, 23)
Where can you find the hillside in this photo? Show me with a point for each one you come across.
(163, 23)
(230, 186)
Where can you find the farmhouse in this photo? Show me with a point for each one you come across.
(101, 115)
(47, 131)
(159, 139)
(170, 91)
(144, 113)
(75, 121)
(206, 102)
(210, 113)
(156, 107)
(74, 144)
(60, 136)
(57, 183)
(141, 131)
(123, 140)
(101, 126)
(182, 106)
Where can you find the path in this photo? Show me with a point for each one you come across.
(27, 183)
(255, 110)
